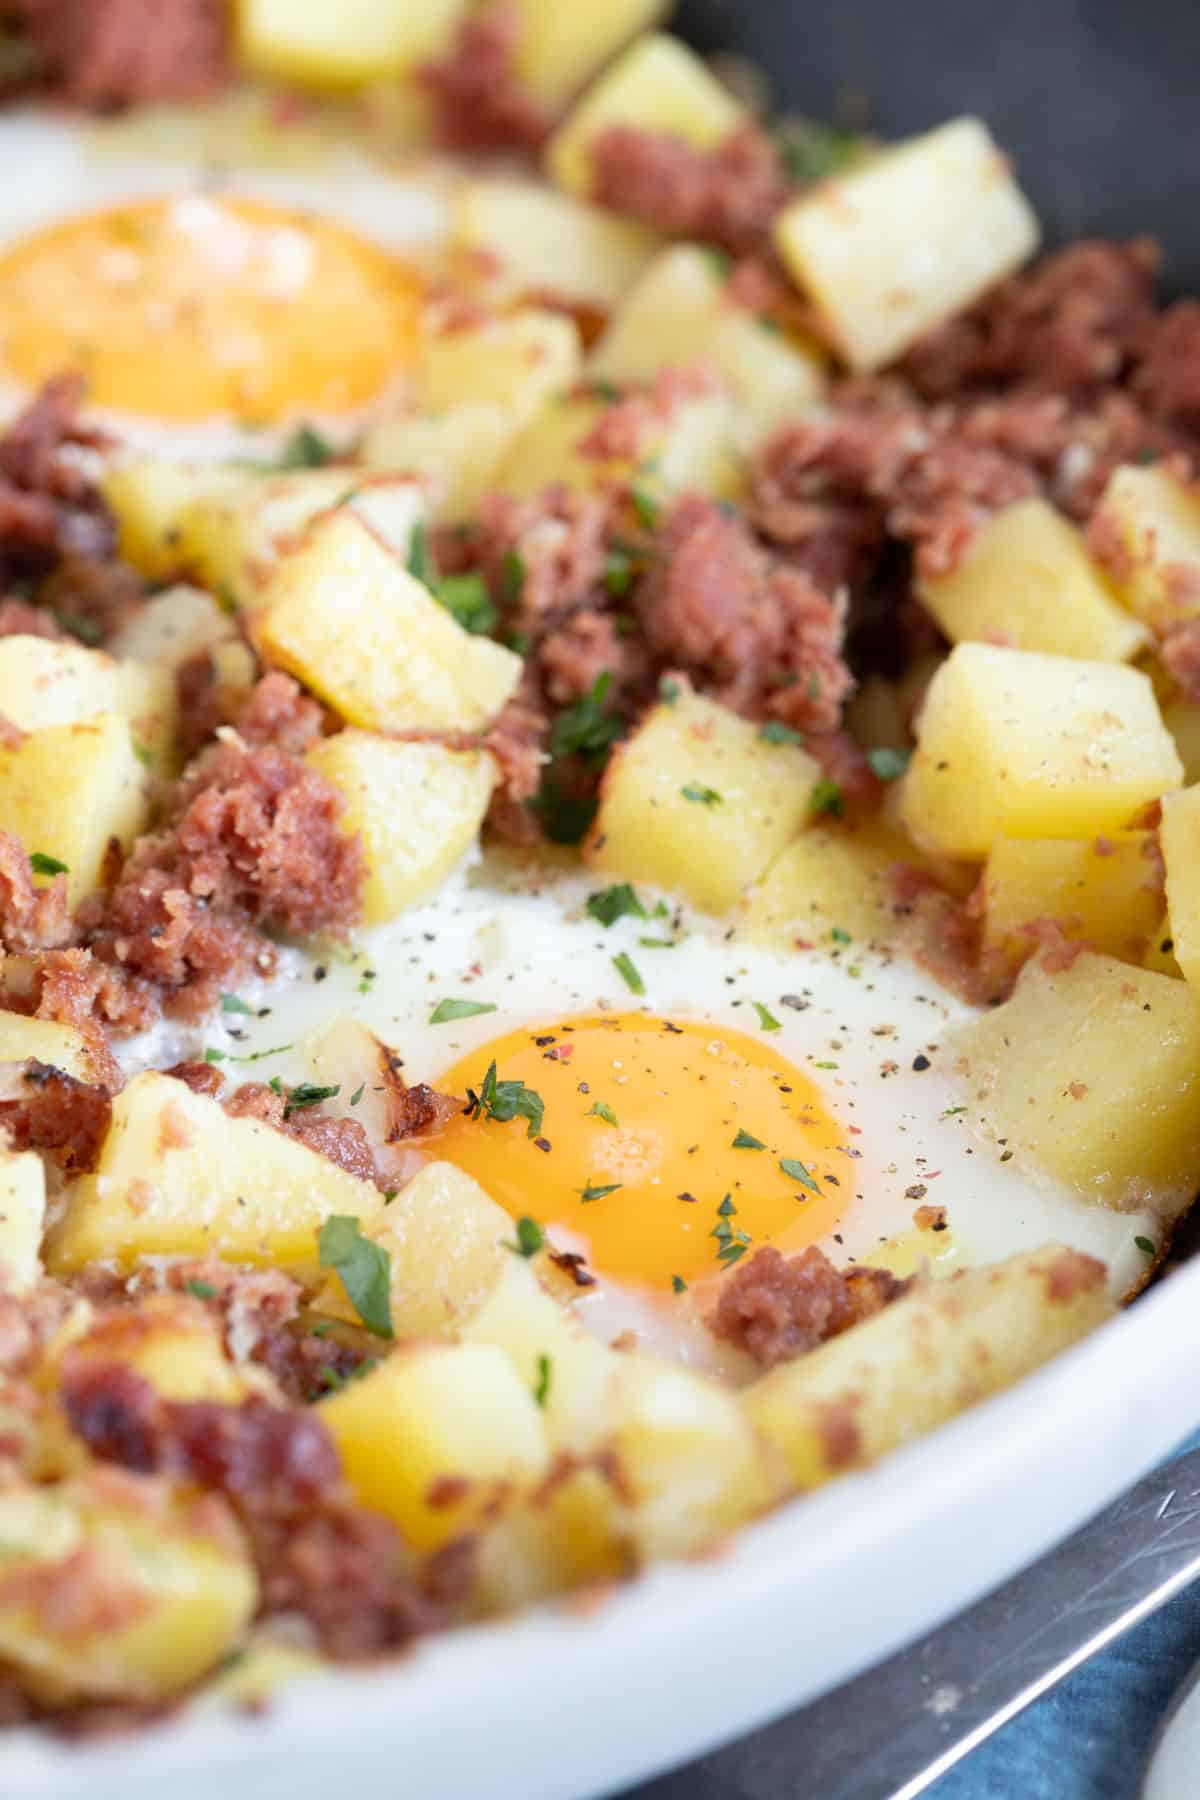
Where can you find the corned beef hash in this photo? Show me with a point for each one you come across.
(599, 894)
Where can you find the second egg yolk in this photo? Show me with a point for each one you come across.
(203, 306)
(672, 1149)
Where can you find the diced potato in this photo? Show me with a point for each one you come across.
(152, 500)
(1181, 717)
(687, 1454)
(240, 537)
(931, 1354)
(343, 46)
(47, 683)
(1100, 890)
(519, 238)
(566, 1534)
(44, 1040)
(658, 84)
(174, 626)
(1092, 1074)
(692, 451)
(678, 313)
(438, 1438)
(418, 808)
(1028, 581)
(170, 1341)
(880, 284)
(71, 791)
(1011, 743)
(445, 1242)
(257, 1675)
(177, 1176)
(827, 879)
(22, 1217)
(687, 1468)
(455, 456)
(1180, 839)
(344, 614)
(697, 802)
(1147, 527)
(515, 362)
(178, 1598)
(559, 46)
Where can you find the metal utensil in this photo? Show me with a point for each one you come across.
(892, 1732)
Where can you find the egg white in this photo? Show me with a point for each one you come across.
(872, 1031)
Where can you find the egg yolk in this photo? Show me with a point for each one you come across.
(199, 306)
(672, 1149)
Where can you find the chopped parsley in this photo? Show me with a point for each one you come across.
(220, 1056)
(530, 1239)
(365, 1270)
(231, 1003)
(602, 1110)
(357, 1095)
(627, 970)
(726, 1209)
(421, 565)
(744, 1141)
(613, 903)
(668, 692)
(41, 864)
(201, 1290)
(446, 1011)
(618, 573)
(702, 796)
(647, 507)
(773, 732)
(839, 936)
(650, 943)
(608, 391)
(796, 1171)
(512, 577)
(1144, 1244)
(308, 1094)
(466, 599)
(766, 1018)
(505, 1101)
(590, 1193)
(889, 765)
(811, 151)
(585, 728)
(545, 1369)
(678, 1284)
(306, 449)
(827, 797)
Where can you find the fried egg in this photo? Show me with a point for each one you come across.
(743, 1098)
(207, 305)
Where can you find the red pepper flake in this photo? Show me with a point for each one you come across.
(574, 1265)
(1077, 1089)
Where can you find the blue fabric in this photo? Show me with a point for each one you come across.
(1088, 1739)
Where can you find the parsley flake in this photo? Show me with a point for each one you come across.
(796, 1171)
(590, 1193)
(628, 972)
(357, 1095)
(365, 1270)
(545, 1369)
(889, 765)
(306, 449)
(41, 864)
(530, 1239)
(703, 796)
(827, 797)
(811, 151)
(774, 732)
(744, 1141)
(308, 1094)
(647, 507)
(668, 692)
(505, 1101)
(512, 577)
(446, 1011)
(602, 1110)
(1144, 1244)
(420, 558)
(839, 936)
(613, 903)
(466, 599)
(678, 1284)
(584, 728)
(766, 1017)
(201, 1290)
(230, 1003)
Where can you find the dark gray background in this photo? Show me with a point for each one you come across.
(1099, 102)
